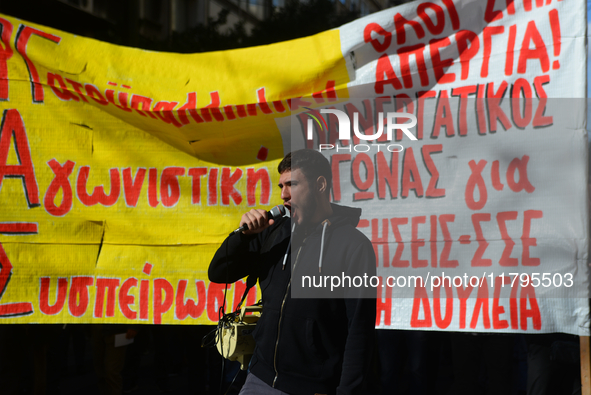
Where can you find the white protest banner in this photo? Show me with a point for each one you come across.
(479, 215)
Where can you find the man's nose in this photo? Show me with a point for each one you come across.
(285, 193)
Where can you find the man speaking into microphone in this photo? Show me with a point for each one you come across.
(305, 345)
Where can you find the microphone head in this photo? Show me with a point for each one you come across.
(277, 212)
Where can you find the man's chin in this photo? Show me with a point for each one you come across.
(296, 219)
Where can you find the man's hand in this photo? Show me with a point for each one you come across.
(257, 221)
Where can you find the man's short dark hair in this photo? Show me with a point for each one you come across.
(310, 162)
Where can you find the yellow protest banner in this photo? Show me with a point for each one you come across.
(122, 170)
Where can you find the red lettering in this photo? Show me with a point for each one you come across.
(539, 119)
(60, 299)
(153, 187)
(365, 124)
(165, 111)
(411, 179)
(422, 96)
(252, 180)
(212, 187)
(502, 217)
(420, 298)
(495, 176)
(122, 96)
(463, 295)
(453, 13)
(376, 44)
(144, 299)
(161, 306)
(519, 165)
(444, 322)
(62, 92)
(227, 186)
(519, 89)
(404, 54)
(78, 88)
(511, 6)
(403, 104)
(396, 262)
(443, 117)
(476, 181)
(133, 185)
(333, 132)
(95, 94)
(279, 107)
(481, 304)
(463, 93)
(480, 112)
(109, 285)
(528, 241)
(529, 293)
(297, 102)
(60, 181)
(489, 14)
(494, 106)
(497, 309)
(191, 106)
(538, 52)
(510, 50)
(79, 295)
(513, 304)
(400, 22)
(13, 126)
(196, 173)
(183, 308)
(145, 102)
(384, 304)
(416, 243)
(468, 46)
(215, 300)
(215, 104)
(170, 190)
(556, 39)
(21, 43)
(386, 175)
(385, 75)
(383, 241)
(5, 54)
(98, 195)
(487, 34)
(125, 299)
(439, 65)
(364, 185)
(443, 260)
(263, 105)
(435, 29)
(433, 240)
(477, 260)
(21, 308)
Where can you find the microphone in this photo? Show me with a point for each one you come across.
(275, 213)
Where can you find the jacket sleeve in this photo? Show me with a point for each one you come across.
(361, 318)
(235, 259)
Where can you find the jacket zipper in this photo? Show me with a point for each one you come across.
(281, 317)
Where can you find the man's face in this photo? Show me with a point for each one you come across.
(298, 196)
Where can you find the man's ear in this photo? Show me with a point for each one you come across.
(321, 184)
